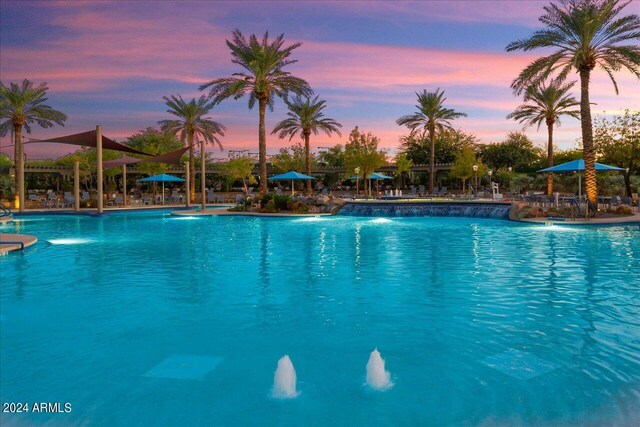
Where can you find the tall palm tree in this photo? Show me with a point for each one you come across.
(263, 79)
(433, 117)
(22, 105)
(305, 117)
(191, 123)
(584, 34)
(545, 104)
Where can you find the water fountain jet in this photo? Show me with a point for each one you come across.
(377, 377)
(284, 380)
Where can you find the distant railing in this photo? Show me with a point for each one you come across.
(216, 167)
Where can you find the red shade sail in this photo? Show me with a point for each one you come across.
(126, 160)
(88, 139)
(172, 157)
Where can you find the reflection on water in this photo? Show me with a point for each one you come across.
(464, 309)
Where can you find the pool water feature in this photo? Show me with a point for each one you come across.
(284, 380)
(377, 377)
(495, 210)
(160, 321)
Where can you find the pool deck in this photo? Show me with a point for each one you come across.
(630, 219)
(224, 212)
(8, 242)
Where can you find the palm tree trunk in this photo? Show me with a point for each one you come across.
(262, 146)
(587, 138)
(192, 171)
(19, 163)
(432, 160)
(307, 156)
(550, 157)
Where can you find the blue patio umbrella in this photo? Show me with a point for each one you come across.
(163, 177)
(377, 176)
(578, 166)
(293, 176)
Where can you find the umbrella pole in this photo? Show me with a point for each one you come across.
(163, 193)
(579, 186)
(292, 193)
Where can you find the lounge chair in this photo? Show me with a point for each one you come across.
(35, 199)
(52, 200)
(211, 197)
(443, 191)
(119, 200)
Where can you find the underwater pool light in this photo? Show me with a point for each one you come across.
(70, 241)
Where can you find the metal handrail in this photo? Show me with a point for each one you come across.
(4, 242)
(4, 210)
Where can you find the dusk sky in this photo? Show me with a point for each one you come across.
(110, 63)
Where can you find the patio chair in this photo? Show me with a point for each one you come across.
(443, 191)
(68, 200)
(51, 201)
(35, 199)
(119, 200)
(211, 197)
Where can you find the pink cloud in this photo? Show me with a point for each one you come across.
(108, 45)
(359, 66)
(476, 11)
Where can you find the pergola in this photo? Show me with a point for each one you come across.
(172, 157)
(95, 139)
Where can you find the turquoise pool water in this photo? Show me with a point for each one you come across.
(148, 319)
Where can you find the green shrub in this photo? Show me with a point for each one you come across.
(269, 207)
(280, 200)
(302, 209)
(624, 210)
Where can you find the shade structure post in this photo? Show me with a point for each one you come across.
(188, 193)
(19, 163)
(99, 167)
(124, 185)
(203, 174)
(76, 186)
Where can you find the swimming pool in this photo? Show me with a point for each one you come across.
(149, 319)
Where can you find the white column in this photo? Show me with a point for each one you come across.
(124, 185)
(99, 166)
(187, 182)
(76, 186)
(203, 173)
